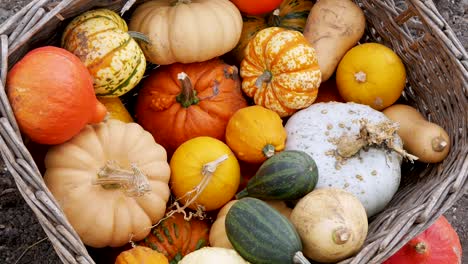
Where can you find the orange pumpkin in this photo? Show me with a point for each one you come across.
(183, 101)
(138, 255)
(280, 70)
(176, 237)
(52, 95)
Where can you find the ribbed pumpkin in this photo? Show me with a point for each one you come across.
(187, 31)
(139, 255)
(255, 133)
(182, 101)
(100, 39)
(176, 237)
(291, 14)
(280, 71)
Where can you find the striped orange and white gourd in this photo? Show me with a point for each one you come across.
(101, 40)
(280, 71)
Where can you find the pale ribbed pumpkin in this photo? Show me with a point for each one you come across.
(187, 30)
(291, 14)
(100, 39)
(111, 181)
(280, 71)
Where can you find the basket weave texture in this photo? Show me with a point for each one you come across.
(437, 67)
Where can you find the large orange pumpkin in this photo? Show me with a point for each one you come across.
(52, 95)
(175, 237)
(280, 70)
(179, 102)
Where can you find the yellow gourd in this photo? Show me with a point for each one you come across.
(371, 74)
(255, 133)
(116, 109)
(140, 255)
(205, 173)
(426, 140)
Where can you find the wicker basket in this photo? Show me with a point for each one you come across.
(437, 85)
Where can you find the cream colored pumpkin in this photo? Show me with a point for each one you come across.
(111, 181)
(218, 236)
(187, 30)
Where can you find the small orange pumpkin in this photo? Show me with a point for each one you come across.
(176, 237)
(52, 95)
(280, 70)
(139, 254)
(255, 133)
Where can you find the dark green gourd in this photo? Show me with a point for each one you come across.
(261, 235)
(288, 175)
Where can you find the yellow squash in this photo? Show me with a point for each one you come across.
(280, 70)
(139, 255)
(255, 133)
(116, 109)
(371, 74)
(101, 41)
(205, 173)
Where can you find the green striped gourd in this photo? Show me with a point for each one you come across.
(288, 175)
(101, 41)
(291, 14)
(261, 235)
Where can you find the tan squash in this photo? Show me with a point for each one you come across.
(187, 30)
(111, 181)
(255, 133)
(426, 140)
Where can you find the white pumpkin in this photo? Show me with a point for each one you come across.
(111, 181)
(372, 175)
(187, 30)
(213, 255)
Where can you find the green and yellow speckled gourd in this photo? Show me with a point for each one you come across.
(101, 41)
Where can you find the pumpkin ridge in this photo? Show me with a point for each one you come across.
(267, 41)
(125, 82)
(278, 56)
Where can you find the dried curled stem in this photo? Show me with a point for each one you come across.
(380, 135)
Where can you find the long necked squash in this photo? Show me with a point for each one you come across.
(260, 234)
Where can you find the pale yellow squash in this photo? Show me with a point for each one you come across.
(187, 30)
(111, 181)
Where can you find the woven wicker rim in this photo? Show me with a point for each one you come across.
(437, 65)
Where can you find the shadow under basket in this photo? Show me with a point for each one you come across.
(437, 68)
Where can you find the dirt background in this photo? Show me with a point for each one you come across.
(22, 239)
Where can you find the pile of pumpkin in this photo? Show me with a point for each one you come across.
(291, 147)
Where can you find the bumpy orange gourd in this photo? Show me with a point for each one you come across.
(280, 70)
(205, 174)
(52, 95)
(139, 255)
(255, 133)
(182, 101)
(176, 237)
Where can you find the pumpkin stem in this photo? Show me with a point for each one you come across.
(268, 150)
(275, 19)
(178, 2)
(439, 144)
(299, 258)
(421, 248)
(360, 77)
(134, 182)
(139, 36)
(188, 96)
(264, 78)
(341, 235)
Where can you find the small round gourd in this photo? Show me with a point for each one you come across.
(139, 254)
(213, 255)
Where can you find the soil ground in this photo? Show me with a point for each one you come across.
(21, 233)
